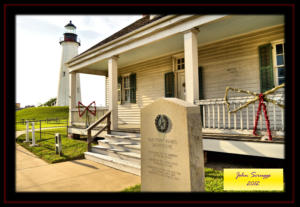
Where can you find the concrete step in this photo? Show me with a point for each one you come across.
(121, 133)
(134, 148)
(118, 153)
(114, 162)
(125, 146)
(118, 138)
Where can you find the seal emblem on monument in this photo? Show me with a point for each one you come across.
(161, 123)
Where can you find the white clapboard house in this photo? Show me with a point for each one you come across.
(190, 57)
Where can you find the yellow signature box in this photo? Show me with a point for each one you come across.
(253, 179)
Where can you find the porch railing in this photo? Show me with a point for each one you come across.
(217, 119)
(90, 138)
(87, 118)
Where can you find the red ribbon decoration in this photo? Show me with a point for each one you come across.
(261, 103)
(87, 108)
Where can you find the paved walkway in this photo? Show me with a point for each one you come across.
(34, 174)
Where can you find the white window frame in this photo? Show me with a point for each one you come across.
(124, 89)
(275, 66)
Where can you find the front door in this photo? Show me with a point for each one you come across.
(181, 86)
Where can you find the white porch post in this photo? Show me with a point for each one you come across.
(191, 65)
(72, 95)
(113, 91)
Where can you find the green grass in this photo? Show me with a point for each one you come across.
(71, 149)
(42, 113)
(44, 124)
(136, 188)
(213, 182)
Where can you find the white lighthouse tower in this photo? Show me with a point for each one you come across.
(70, 46)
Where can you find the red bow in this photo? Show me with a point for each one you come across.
(261, 103)
(87, 108)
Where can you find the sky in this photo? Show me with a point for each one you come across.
(39, 54)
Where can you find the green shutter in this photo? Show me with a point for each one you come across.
(266, 67)
(132, 79)
(169, 84)
(120, 89)
(200, 81)
(201, 94)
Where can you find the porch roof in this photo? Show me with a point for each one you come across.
(163, 35)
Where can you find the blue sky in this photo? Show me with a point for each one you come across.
(39, 54)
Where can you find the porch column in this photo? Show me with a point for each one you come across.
(113, 91)
(191, 65)
(72, 95)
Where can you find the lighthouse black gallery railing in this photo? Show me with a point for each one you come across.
(94, 125)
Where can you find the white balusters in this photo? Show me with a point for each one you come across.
(214, 115)
(241, 117)
(274, 116)
(253, 114)
(218, 116)
(213, 106)
(203, 116)
(208, 115)
(234, 116)
(282, 119)
(247, 110)
(224, 116)
(229, 124)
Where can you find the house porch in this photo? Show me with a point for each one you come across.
(150, 57)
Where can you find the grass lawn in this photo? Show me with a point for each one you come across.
(213, 182)
(42, 113)
(60, 113)
(44, 124)
(71, 149)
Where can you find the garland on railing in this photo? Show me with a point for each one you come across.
(261, 97)
(80, 105)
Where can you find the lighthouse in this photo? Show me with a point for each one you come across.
(70, 44)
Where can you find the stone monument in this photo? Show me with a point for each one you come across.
(172, 156)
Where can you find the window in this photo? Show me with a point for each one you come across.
(126, 89)
(64, 74)
(266, 67)
(180, 64)
(279, 62)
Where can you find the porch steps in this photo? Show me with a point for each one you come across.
(113, 162)
(118, 150)
(117, 153)
(120, 145)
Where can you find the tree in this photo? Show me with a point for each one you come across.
(50, 102)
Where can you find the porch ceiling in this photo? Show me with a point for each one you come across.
(215, 31)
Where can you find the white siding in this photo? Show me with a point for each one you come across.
(232, 62)
(150, 86)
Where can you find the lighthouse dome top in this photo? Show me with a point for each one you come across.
(70, 24)
(70, 28)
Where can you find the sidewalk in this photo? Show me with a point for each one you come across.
(34, 174)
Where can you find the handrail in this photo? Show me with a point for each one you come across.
(89, 129)
(99, 121)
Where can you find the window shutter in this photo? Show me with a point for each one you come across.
(201, 94)
(200, 79)
(120, 89)
(266, 67)
(169, 84)
(132, 79)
